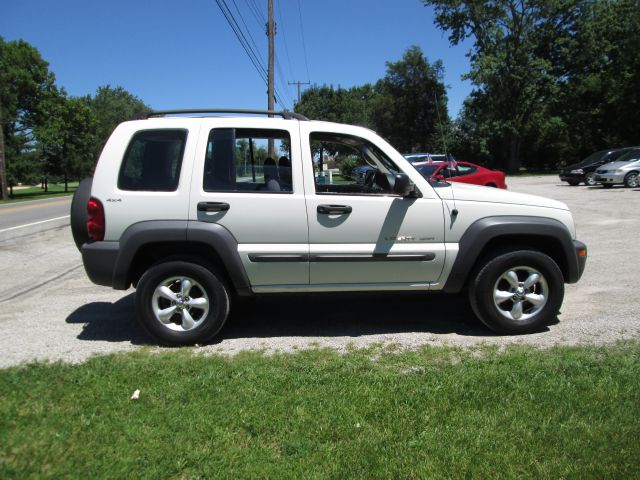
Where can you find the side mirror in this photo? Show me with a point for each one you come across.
(440, 178)
(403, 186)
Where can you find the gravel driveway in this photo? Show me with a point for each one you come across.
(50, 310)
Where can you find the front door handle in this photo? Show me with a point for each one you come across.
(334, 209)
(213, 207)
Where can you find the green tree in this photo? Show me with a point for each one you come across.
(410, 108)
(67, 141)
(25, 84)
(401, 106)
(601, 94)
(517, 49)
(352, 106)
(111, 106)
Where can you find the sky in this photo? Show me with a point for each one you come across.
(183, 54)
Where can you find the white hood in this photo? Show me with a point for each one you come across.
(476, 193)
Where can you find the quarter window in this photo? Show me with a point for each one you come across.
(248, 160)
(152, 161)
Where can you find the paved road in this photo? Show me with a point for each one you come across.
(49, 310)
(33, 215)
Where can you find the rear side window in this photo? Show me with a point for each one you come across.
(248, 160)
(152, 161)
(466, 169)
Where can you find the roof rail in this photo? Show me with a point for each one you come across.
(285, 115)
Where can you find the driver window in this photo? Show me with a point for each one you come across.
(348, 165)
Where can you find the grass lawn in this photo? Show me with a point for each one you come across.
(36, 193)
(432, 413)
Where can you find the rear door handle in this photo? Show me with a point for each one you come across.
(334, 209)
(213, 207)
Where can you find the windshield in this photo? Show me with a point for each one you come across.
(427, 170)
(592, 158)
(630, 156)
(424, 157)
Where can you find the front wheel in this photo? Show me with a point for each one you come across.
(181, 303)
(631, 180)
(517, 292)
(590, 179)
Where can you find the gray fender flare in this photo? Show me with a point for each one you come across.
(482, 231)
(213, 235)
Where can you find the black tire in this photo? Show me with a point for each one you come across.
(573, 183)
(590, 179)
(631, 180)
(490, 282)
(204, 285)
(78, 213)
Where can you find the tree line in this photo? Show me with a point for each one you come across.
(553, 81)
(46, 134)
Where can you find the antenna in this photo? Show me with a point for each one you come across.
(454, 212)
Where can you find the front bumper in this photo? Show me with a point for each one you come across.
(610, 178)
(571, 177)
(581, 255)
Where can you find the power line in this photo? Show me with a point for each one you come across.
(254, 57)
(299, 83)
(255, 13)
(284, 39)
(304, 47)
(248, 31)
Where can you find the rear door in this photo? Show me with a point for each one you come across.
(248, 179)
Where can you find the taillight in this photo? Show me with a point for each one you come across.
(96, 222)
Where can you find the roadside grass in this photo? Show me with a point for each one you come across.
(37, 193)
(570, 412)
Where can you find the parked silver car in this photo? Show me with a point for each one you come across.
(624, 171)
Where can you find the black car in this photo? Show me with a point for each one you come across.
(585, 171)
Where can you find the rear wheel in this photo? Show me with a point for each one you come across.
(517, 292)
(181, 303)
(631, 180)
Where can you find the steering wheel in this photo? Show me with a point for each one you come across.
(370, 178)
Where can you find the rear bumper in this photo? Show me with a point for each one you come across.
(99, 260)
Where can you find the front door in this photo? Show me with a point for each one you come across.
(361, 233)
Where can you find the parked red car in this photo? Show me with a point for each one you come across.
(464, 172)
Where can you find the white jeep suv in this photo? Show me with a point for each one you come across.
(196, 210)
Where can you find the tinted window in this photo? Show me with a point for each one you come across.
(152, 161)
(241, 160)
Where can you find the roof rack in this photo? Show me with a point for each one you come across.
(285, 115)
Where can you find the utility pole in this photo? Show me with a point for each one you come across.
(299, 83)
(4, 194)
(271, 33)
